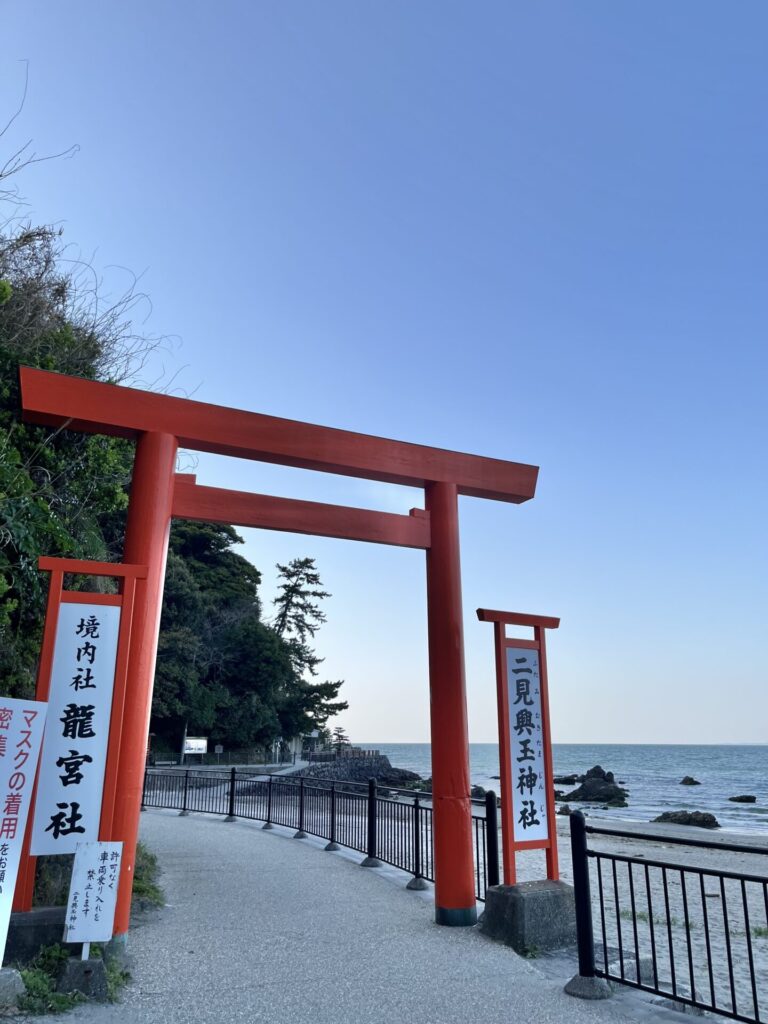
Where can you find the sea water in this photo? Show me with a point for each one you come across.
(651, 773)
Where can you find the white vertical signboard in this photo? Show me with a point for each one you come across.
(93, 892)
(528, 782)
(21, 732)
(74, 757)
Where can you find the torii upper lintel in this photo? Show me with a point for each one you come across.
(96, 408)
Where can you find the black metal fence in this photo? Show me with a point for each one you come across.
(698, 935)
(386, 825)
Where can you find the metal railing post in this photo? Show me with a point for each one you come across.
(300, 833)
(268, 823)
(491, 838)
(581, 891)
(144, 792)
(372, 861)
(417, 882)
(231, 816)
(333, 845)
(184, 812)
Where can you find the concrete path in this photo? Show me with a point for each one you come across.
(260, 927)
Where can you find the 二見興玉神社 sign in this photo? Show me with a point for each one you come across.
(525, 742)
(73, 759)
(528, 776)
(21, 732)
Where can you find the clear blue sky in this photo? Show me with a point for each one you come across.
(532, 231)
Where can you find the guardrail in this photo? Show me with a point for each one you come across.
(387, 825)
(697, 935)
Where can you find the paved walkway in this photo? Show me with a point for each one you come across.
(260, 927)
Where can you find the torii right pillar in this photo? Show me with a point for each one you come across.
(455, 902)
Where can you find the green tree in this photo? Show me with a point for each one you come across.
(61, 493)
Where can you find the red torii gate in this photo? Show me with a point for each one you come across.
(160, 425)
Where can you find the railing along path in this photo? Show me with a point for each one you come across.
(385, 824)
(695, 934)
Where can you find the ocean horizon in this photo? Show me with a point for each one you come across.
(652, 773)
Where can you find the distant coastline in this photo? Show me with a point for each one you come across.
(653, 779)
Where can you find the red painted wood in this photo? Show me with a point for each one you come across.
(82, 567)
(505, 756)
(146, 543)
(553, 870)
(84, 597)
(94, 407)
(517, 618)
(118, 706)
(452, 808)
(238, 508)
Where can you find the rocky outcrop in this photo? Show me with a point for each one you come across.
(689, 780)
(745, 799)
(361, 769)
(565, 809)
(701, 819)
(566, 780)
(600, 787)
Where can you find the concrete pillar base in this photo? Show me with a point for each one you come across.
(332, 846)
(531, 916)
(456, 917)
(267, 826)
(417, 884)
(588, 988)
(300, 835)
(231, 817)
(184, 814)
(86, 976)
(371, 862)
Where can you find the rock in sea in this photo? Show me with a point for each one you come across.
(689, 780)
(745, 799)
(701, 819)
(599, 787)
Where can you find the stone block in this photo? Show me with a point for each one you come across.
(30, 931)
(11, 987)
(531, 916)
(86, 976)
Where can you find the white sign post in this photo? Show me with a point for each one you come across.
(528, 768)
(195, 745)
(93, 894)
(72, 764)
(21, 732)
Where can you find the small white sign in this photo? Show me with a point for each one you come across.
(71, 782)
(93, 892)
(21, 733)
(195, 744)
(218, 749)
(528, 784)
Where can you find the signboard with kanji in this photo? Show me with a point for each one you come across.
(21, 733)
(195, 745)
(70, 786)
(525, 741)
(528, 781)
(93, 892)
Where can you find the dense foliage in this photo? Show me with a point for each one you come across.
(221, 670)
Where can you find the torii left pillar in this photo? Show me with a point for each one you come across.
(146, 542)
